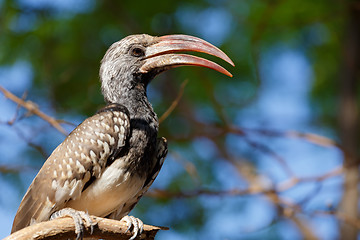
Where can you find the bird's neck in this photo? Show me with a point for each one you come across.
(139, 107)
(132, 94)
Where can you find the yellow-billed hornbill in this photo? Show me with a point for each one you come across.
(110, 160)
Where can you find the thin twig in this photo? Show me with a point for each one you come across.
(37, 147)
(174, 103)
(188, 166)
(32, 108)
(282, 187)
(310, 137)
(266, 150)
(355, 222)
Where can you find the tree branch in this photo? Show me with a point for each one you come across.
(64, 228)
(279, 188)
(32, 108)
(348, 113)
(174, 103)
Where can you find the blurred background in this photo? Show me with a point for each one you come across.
(271, 153)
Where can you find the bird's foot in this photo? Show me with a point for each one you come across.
(137, 224)
(79, 217)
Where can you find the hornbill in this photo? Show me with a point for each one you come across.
(110, 160)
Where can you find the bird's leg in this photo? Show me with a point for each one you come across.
(137, 224)
(78, 217)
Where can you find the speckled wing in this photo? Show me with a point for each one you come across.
(75, 163)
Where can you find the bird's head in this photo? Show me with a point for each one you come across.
(131, 63)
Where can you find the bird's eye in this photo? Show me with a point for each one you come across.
(137, 51)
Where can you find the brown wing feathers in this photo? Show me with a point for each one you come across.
(82, 155)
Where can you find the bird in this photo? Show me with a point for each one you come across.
(106, 164)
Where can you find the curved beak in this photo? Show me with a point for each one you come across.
(160, 56)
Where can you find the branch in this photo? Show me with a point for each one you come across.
(174, 103)
(255, 189)
(64, 228)
(310, 137)
(355, 222)
(32, 108)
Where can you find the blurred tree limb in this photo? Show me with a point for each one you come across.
(32, 108)
(174, 103)
(348, 113)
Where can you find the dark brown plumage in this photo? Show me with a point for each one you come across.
(110, 160)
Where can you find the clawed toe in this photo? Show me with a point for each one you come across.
(137, 224)
(79, 217)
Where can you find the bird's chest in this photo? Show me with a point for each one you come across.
(115, 187)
